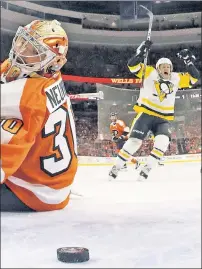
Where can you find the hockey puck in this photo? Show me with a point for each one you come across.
(73, 254)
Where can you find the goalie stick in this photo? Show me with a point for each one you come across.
(150, 14)
(76, 193)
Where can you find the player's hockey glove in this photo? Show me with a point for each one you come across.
(186, 56)
(143, 48)
(140, 53)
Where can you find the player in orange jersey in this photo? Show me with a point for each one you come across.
(38, 139)
(120, 131)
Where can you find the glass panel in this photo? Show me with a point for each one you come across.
(186, 128)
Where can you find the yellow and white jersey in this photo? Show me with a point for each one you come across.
(157, 97)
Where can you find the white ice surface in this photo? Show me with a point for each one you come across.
(124, 223)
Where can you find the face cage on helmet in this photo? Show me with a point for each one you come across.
(113, 117)
(42, 50)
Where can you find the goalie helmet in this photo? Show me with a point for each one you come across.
(37, 49)
(113, 116)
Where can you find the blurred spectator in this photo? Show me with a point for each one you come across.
(101, 58)
(92, 144)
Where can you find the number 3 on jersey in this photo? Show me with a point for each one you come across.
(54, 165)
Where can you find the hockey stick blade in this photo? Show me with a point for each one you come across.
(149, 13)
(151, 16)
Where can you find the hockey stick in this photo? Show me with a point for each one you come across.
(87, 96)
(150, 14)
(76, 193)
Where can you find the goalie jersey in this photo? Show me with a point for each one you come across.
(118, 128)
(38, 142)
(157, 97)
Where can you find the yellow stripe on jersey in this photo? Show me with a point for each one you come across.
(152, 137)
(186, 80)
(138, 70)
(157, 153)
(124, 154)
(151, 112)
(135, 68)
(146, 101)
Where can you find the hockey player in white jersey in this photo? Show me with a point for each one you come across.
(155, 105)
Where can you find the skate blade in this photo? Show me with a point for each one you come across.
(124, 170)
(141, 179)
(138, 168)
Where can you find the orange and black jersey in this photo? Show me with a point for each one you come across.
(38, 141)
(119, 128)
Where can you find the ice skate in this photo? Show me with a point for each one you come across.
(113, 173)
(124, 168)
(144, 173)
(135, 163)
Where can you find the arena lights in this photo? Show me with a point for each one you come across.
(160, 2)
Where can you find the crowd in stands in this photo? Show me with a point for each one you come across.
(92, 143)
(113, 7)
(107, 61)
(111, 62)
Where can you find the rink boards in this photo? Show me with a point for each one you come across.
(104, 161)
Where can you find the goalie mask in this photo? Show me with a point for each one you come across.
(37, 49)
(113, 116)
(164, 67)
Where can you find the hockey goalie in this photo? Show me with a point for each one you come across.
(38, 140)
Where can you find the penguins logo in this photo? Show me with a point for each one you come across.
(163, 88)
